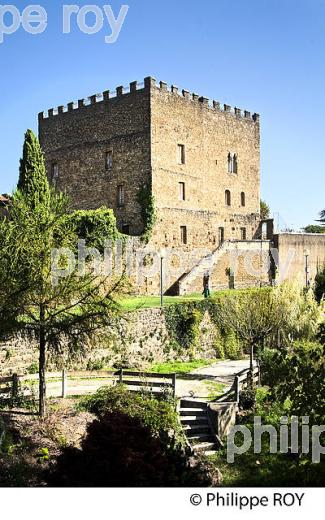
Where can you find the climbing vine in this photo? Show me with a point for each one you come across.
(148, 211)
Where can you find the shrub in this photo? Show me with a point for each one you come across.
(119, 450)
(320, 285)
(94, 226)
(159, 415)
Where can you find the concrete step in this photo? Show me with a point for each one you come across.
(205, 446)
(195, 429)
(197, 438)
(209, 453)
(191, 403)
(192, 411)
(193, 419)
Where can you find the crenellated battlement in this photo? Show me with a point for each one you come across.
(147, 84)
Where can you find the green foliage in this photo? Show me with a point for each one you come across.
(148, 211)
(298, 374)
(264, 210)
(313, 228)
(320, 284)
(180, 367)
(65, 310)
(183, 322)
(95, 226)
(159, 415)
(33, 181)
(120, 451)
(247, 398)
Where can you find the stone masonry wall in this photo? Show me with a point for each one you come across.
(77, 140)
(138, 340)
(208, 135)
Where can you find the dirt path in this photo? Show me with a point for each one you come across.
(202, 383)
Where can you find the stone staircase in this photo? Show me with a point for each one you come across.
(196, 425)
(208, 262)
(205, 264)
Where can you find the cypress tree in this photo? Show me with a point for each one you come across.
(33, 182)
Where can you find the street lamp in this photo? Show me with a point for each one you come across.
(307, 253)
(162, 255)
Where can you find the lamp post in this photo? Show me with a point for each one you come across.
(307, 253)
(162, 255)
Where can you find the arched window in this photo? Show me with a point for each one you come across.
(235, 163)
(243, 199)
(228, 198)
(230, 163)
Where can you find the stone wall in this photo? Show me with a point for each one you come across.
(208, 135)
(138, 340)
(292, 255)
(78, 139)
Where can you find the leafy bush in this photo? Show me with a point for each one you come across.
(94, 226)
(320, 285)
(119, 450)
(148, 211)
(247, 398)
(159, 415)
(298, 374)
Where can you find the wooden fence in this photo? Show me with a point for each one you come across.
(135, 381)
(242, 380)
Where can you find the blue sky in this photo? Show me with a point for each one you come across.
(267, 56)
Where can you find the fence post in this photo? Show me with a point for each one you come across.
(121, 376)
(237, 390)
(64, 383)
(174, 385)
(15, 386)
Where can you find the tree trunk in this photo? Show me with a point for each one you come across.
(42, 366)
(251, 364)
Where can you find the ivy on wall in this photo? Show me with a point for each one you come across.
(148, 211)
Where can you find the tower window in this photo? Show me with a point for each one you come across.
(109, 160)
(228, 198)
(120, 195)
(181, 190)
(183, 234)
(126, 229)
(232, 163)
(55, 171)
(221, 235)
(243, 199)
(181, 153)
(243, 233)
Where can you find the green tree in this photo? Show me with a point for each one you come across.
(45, 293)
(320, 285)
(313, 228)
(32, 173)
(264, 210)
(322, 217)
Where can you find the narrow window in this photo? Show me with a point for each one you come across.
(228, 198)
(221, 235)
(109, 160)
(235, 164)
(230, 163)
(243, 199)
(120, 195)
(243, 234)
(181, 154)
(181, 190)
(183, 234)
(55, 171)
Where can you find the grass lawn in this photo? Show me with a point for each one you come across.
(131, 303)
(181, 367)
(150, 302)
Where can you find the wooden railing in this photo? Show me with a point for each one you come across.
(135, 381)
(242, 380)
